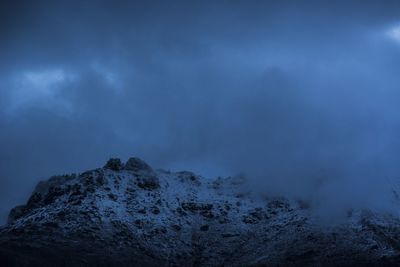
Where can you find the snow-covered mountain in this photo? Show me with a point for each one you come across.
(131, 215)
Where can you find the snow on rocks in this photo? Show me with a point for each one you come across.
(129, 214)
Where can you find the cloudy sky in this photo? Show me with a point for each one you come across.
(302, 96)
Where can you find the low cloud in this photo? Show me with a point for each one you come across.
(302, 100)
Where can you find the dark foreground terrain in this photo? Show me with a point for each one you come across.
(131, 215)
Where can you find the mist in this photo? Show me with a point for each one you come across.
(302, 98)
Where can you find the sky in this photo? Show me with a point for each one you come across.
(300, 96)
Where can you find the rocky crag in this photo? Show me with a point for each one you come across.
(132, 215)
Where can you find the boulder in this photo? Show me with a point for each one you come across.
(114, 164)
(137, 165)
(16, 213)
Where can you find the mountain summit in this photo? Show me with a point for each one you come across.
(128, 214)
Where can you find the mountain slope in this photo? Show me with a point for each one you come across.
(131, 215)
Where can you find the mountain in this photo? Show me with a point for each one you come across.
(132, 215)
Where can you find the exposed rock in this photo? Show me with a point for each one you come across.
(135, 216)
(204, 227)
(177, 227)
(16, 213)
(137, 165)
(114, 164)
(155, 210)
(255, 216)
(148, 182)
(194, 206)
(112, 196)
(186, 176)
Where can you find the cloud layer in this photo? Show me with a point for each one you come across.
(303, 98)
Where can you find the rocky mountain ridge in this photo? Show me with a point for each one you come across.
(132, 215)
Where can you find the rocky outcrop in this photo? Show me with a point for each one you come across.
(137, 165)
(131, 215)
(114, 164)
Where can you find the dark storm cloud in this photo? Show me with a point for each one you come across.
(303, 97)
